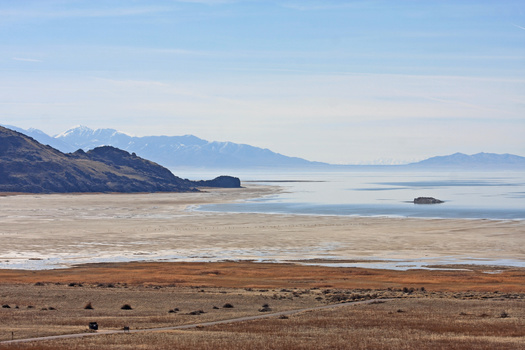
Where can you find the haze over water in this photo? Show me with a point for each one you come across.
(469, 195)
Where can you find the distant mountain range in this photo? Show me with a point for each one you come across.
(475, 161)
(29, 166)
(193, 152)
(173, 151)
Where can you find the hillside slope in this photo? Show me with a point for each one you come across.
(28, 166)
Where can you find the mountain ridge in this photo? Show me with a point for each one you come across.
(193, 152)
(183, 151)
(477, 158)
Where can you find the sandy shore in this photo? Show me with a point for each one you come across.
(49, 231)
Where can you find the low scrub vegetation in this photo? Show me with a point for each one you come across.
(424, 324)
(396, 316)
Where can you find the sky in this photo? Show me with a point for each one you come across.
(344, 82)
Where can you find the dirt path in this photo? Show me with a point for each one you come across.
(193, 325)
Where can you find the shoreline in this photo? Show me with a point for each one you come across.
(64, 230)
(379, 216)
(387, 216)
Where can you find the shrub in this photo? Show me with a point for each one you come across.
(126, 307)
(88, 306)
(197, 312)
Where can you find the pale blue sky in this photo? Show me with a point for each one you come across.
(334, 81)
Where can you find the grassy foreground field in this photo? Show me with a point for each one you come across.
(474, 308)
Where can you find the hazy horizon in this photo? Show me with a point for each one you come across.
(94, 130)
(342, 82)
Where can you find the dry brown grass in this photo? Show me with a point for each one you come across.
(422, 324)
(456, 309)
(150, 307)
(267, 275)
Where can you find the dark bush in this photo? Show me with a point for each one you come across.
(265, 309)
(198, 312)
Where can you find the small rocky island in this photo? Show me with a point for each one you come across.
(427, 200)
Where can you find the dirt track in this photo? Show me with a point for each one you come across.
(189, 326)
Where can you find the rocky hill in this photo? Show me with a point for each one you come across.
(28, 166)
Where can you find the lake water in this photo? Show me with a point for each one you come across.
(469, 195)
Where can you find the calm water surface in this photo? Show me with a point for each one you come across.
(487, 195)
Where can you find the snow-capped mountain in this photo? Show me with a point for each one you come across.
(82, 137)
(191, 151)
(181, 151)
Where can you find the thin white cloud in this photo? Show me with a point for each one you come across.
(209, 2)
(411, 115)
(110, 12)
(25, 59)
(517, 26)
(179, 52)
(320, 5)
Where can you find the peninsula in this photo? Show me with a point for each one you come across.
(31, 167)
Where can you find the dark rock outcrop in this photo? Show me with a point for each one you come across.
(28, 166)
(221, 181)
(427, 200)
